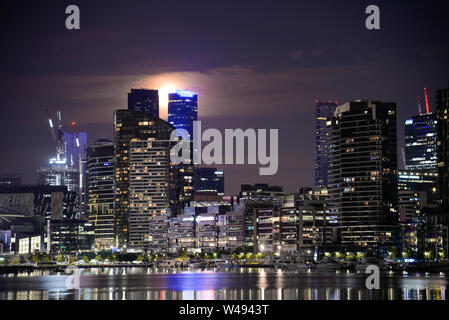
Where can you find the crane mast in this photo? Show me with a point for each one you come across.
(427, 100)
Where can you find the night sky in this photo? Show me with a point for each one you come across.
(254, 64)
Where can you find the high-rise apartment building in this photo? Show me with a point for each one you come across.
(149, 194)
(324, 114)
(442, 113)
(131, 126)
(363, 183)
(100, 164)
(421, 142)
(145, 101)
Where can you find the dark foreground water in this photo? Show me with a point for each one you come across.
(241, 284)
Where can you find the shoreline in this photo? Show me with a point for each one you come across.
(61, 268)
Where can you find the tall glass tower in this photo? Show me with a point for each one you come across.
(145, 101)
(324, 114)
(421, 142)
(183, 109)
(442, 112)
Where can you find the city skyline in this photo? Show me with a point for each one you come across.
(240, 150)
(236, 84)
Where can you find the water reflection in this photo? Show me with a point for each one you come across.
(237, 284)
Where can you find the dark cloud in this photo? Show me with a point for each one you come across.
(254, 64)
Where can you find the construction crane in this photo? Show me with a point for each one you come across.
(427, 100)
(80, 168)
(77, 142)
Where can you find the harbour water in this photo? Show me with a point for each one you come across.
(232, 284)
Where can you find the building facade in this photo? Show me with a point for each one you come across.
(145, 101)
(261, 191)
(130, 126)
(8, 179)
(363, 183)
(149, 194)
(324, 113)
(442, 113)
(50, 202)
(100, 163)
(209, 180)
(183, 110)
(421, 142)
(58, 173)
(207, 227)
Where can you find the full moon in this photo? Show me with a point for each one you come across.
(163, 99)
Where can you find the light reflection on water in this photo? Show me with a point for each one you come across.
(234, 284)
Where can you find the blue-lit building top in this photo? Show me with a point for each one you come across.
(144, 100)
(421, 142)
(209, 180)
(324, 113)
(183, 110)
(75, 148)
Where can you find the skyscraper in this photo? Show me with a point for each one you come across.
(363, 183)
(324, 114)
(421, 142)
(144, 100)
(442, 112)
(183, 110)
(149, 194)
(75, 148)
(131, 126)
(100, 164)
